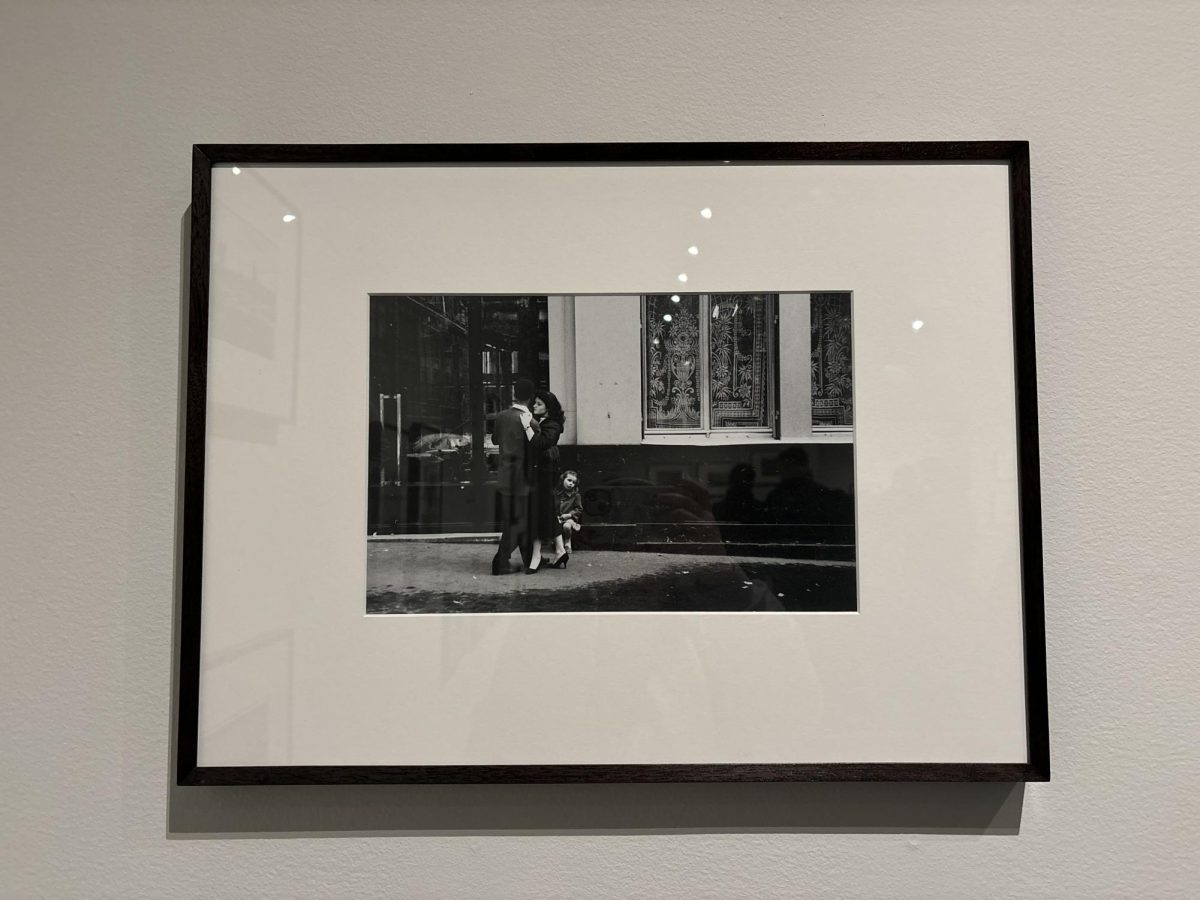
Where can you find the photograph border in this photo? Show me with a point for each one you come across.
(1013, 153)
(829, 601)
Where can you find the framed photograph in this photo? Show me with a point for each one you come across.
(611, 462)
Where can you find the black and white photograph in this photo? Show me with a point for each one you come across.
(621, 453)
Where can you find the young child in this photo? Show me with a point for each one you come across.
(570, 511)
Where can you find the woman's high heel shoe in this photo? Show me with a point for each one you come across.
(533, 570)
(561, 562)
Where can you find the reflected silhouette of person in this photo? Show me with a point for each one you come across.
(740, 504)
(689, 503)
(799, 498)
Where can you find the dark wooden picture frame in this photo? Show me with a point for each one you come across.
(1015, 154)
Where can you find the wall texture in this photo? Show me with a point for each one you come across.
(99, 104)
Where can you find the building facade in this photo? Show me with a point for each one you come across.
(713, 422)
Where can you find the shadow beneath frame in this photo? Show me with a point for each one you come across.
(366, 810)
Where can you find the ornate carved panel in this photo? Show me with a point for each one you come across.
(739, 360)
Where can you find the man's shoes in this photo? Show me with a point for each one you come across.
(504, 566)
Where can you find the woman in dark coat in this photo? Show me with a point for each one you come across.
(543, 516)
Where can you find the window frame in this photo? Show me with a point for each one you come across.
(704, 384)
(813, 427)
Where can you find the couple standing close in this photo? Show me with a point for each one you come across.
(527, 435)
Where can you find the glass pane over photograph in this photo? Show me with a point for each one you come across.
(723, 516)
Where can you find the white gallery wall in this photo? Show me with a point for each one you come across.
(99, 105)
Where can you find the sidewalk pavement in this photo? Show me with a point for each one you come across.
(414, 576)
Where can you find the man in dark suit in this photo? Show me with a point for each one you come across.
(512, 431)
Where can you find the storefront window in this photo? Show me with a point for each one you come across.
(709, 362)
(832, 363)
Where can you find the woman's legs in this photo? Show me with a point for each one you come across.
(559, 547)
